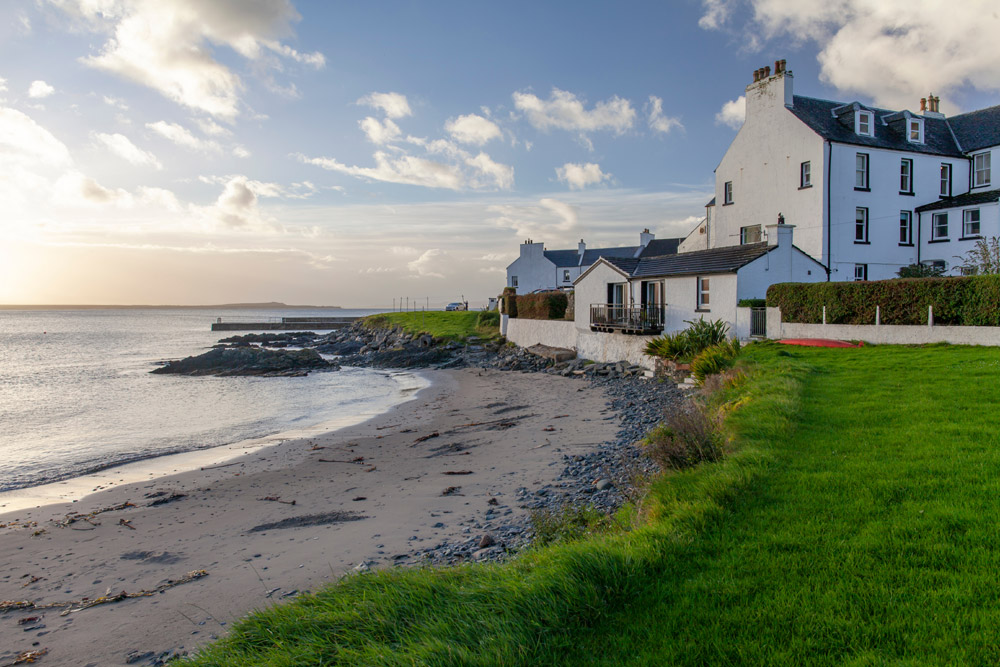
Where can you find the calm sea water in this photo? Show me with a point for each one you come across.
(76, 394)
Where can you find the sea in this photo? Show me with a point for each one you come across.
(77, 395)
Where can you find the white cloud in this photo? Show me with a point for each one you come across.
(240, 151)
(238, 206)
(894, 51)
(183, 137)
(3, 85)
(394, 105)
(657, 121)
(472, 129)
(76, 189)
(210, 127)
(116, 102)
(564, 111)
(732, 113)
(549, 219)
(579, 176)
(23, 141)
(123, 147)
(302, 190)
(380, 132)
(406, 169)
(404, 251)
(40, 89)
(431, 264)
(489, 174)
(169, 45)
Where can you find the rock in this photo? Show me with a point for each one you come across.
(486, 540)
(485, 554)
(364, 566)
(249, 361)
(603, 484)
(556, 354)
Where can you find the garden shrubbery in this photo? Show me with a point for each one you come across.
(714, 359)
(685, 345)
(541, 306)
(965, 301)
(684, 439)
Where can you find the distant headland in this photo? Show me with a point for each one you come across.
(267, 305)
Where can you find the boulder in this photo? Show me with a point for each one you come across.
(557, 354)
(249, 361)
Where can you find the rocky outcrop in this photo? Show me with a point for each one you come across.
(226, 361)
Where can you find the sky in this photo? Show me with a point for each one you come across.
(333, 153)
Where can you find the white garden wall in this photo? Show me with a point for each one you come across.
(887, 334)
(603, 347)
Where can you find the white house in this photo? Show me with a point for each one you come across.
(539, 269)
(654, 294)
(871, 190)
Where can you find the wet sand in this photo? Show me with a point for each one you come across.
(373, 493)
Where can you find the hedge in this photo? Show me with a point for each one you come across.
(962, 301)
(541, 306)
(510, 301)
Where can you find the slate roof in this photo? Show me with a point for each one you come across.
(959, 201)
(626, 264)
(714, 260)
(592, 255)
(818, 115)
(658, 247)
(711, 203)
(977, 129)
(563, 258)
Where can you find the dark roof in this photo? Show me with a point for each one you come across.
(626, 264)
(563, 257)
(715, 260)
(977, 129)
(592, 255)
(711, 203)
(819, 116)
(658, 247)
(968, 199)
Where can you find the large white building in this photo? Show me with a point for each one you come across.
(870, 190)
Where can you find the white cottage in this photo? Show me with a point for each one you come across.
(657, 294)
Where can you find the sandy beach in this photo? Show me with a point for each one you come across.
(372, 493)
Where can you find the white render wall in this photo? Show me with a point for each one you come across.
(953, 250)
(603, 347)
(763, 163)
(533, 270)
(682, 304)
(555, 333)
(758, 275)
(594, 290)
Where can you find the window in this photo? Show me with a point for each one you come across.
(915, 131)
(861, 171)
(513, 281)
(565, 275)
(939, 227)
(861, 272)
(945, 179)
(981, 168)
(906, 176)
(750, 234)
(616, 294)
(905, 228)
(863, 123)
(861, 225)
(970, 223)
(727, 197)
(805, 175)
(703, 294)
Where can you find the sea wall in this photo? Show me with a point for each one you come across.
(603, 347)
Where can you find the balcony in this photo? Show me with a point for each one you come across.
(640, 320)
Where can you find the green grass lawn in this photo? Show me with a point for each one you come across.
(855, 521)
(451, 325)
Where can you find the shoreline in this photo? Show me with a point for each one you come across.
(150, 467)
(409, 485)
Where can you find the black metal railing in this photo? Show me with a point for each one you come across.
(627, 319)
(758, 322)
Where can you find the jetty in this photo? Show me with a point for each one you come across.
(282, 323)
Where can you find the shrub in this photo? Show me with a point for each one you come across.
(968, 300)
(684, 439)
(509, 298)
(686, 344)
(714, 359)
(751, 303)
(565, 524)
(921, 271)
(542, 306)
(488, 318)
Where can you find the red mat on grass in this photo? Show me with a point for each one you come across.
(819, 342)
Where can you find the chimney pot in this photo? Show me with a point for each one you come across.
(777, 66)
(767, 71)
(923, 104)
(784, 64)
(756, 75)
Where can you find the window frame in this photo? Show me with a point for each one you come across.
(906, 228)
(935, 236)
(864, 272)
(918, 124)
(703, 294)
(945, 179)
(805, 175)
(513, 281)
(864, 170)
(906, 176)
(743, 234)
(861, 225)
(566, 277)
(869, 120)
(727, 193)
(966, 234)
(985, 169)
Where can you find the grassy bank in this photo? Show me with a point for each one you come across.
(452, 325)
(852, 522)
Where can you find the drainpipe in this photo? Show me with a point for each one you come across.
(919, 235)
(829, 222)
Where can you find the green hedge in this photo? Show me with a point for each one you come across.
(542, 306)
(510, 301)
(751, 303)
(968, 301)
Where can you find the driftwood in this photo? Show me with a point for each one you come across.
(356, 459)
(451, 491)
(277, 499)
(127, 523)
(107, 598)
(79, 516)
(424, 438)
(457, 472)
(27, 657)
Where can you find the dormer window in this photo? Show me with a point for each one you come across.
(863, 124)
(915, 131)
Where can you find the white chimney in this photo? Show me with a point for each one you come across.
(581, 248)
(645, 237)
(769, 91)
(779, 236)
(532, 249)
